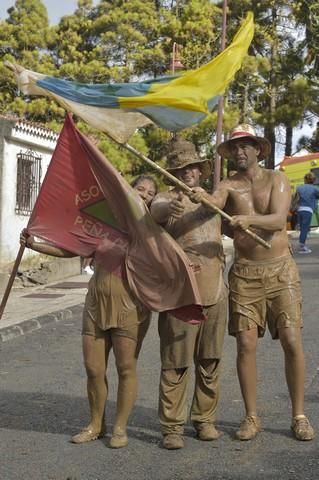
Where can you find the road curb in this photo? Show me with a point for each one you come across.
(13, 331)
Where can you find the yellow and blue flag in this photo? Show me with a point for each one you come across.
(172, 103)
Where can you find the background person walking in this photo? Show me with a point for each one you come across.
(308, 195)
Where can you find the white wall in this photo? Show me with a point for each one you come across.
(22, 137)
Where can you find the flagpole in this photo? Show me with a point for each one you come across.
(187, 189)
(220, 111)
(11, 280)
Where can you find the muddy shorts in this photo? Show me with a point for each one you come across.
(264, 293)
(109, 308)
(136, 331)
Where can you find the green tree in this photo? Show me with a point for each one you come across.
(195, 25)
(276, 92)
(127, 38)
(24, 38)
(116, 41)
(75, 47)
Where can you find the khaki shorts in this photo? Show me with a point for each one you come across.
(135, 331)
(264, 293)
(182, 343)
(110, 309)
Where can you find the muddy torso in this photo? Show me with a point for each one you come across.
(197, 231)
(247, 197)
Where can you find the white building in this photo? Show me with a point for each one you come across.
(25, 153)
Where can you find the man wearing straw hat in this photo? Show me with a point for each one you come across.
(264, 283)
(198, 232)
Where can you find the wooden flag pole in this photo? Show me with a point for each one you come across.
(11, 280)
(220, 111)
(187, 189)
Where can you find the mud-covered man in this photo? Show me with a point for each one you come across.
(198, 232)
(264, 283)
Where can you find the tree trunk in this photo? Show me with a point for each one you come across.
(270, 135)
(270, 128)
(288, 145)
(245, 111)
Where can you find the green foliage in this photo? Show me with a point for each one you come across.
(24, 37)
(128, 36)
(198, 35)
(275, 91)
(125, 162)
(114, 41)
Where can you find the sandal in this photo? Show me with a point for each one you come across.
(87, 435)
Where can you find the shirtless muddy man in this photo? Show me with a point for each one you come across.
(264, 283)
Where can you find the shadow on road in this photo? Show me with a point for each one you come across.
(62, 414)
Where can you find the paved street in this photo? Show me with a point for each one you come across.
(43, 402)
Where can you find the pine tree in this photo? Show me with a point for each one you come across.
(24, 38)
(277, 93)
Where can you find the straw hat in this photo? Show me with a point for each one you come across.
(182, 153)
(245, 131)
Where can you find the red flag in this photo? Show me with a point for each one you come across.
(84, 204)
(71, 211)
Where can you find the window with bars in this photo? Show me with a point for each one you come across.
(28, 181)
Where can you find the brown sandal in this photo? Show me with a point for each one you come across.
(87, 435)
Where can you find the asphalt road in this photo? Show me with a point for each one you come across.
(43, 402)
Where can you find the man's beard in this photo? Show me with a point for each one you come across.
(242, 167)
